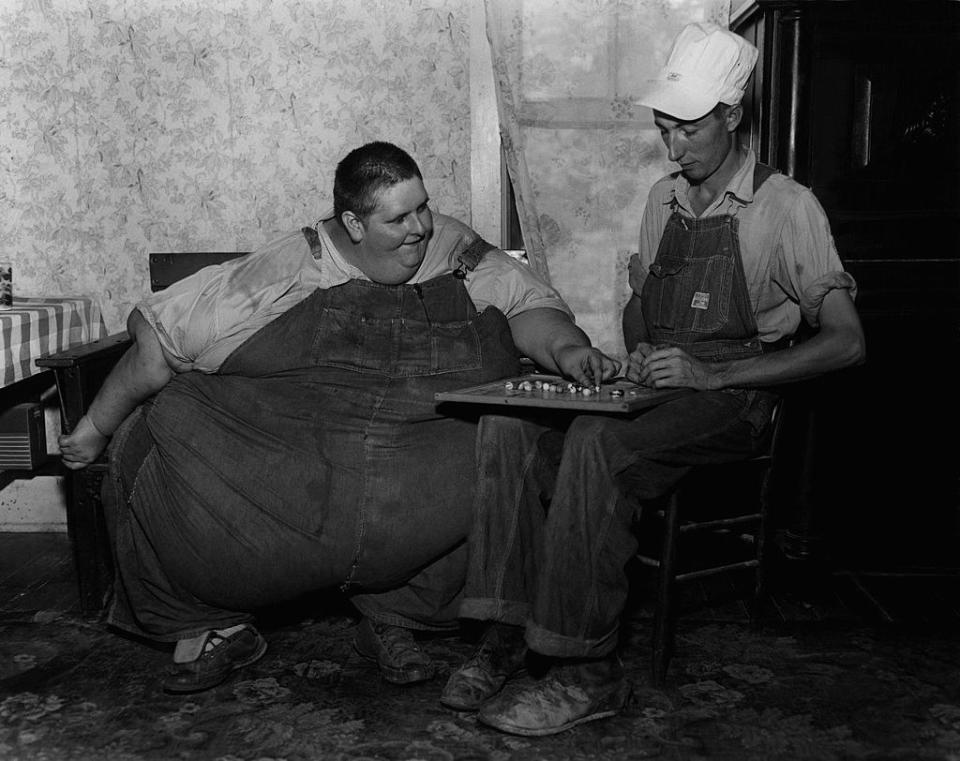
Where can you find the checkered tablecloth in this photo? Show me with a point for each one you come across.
(35, 327)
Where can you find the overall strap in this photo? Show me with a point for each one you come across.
(466, 261)
(761, 172)
(313, 239)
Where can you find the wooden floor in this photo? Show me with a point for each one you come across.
(36, 573)
(37, 578)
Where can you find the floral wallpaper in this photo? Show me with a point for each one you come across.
(190, 125)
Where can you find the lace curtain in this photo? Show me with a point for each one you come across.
(581, 155)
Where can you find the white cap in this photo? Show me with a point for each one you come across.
(707, 65)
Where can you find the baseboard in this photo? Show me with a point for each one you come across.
(33, 528)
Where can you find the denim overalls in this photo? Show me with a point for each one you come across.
(696, 293)
(314, 458)
(562, 572)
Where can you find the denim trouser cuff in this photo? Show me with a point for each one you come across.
(124, 624)
(491, 609)
(547, 642)
(390, 618)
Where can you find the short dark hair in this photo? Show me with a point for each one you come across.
(367, 170)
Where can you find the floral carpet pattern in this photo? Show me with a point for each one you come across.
(71, 689)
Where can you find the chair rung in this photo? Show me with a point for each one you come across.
(738, 536)
(719, 522)
(717, 569)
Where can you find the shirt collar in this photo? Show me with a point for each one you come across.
(739, 188)
(342, 270)
(741, 184)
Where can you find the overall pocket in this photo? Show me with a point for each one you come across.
(693, 295)
(398, 346)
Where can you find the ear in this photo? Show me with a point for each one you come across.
(353, 225)
(733, 117)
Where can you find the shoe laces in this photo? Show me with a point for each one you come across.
(396, 640)
(483, 656)
(496, 650)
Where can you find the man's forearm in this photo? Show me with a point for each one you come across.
(634, 328)
(839, 343)
(128, 384)
(541, 334)
(140, 373)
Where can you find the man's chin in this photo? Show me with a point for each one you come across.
(413, 257)
(403, 274)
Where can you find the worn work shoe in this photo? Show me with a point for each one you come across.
(217, 657)
(567, 696)
(399, 657)
(500, 654)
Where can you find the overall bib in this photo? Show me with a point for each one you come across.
(314, 458)
(696, 295)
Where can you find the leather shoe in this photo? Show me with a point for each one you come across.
(570, 695)
(219, 657)
(500, 654)
(399, 657)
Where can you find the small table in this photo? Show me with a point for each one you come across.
(35, 327)
(29, 331)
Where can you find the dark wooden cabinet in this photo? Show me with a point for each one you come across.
(860, 100)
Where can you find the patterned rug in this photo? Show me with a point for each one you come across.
(70, 689)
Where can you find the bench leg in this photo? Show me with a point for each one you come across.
(88, 537)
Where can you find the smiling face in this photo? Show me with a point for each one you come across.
(704, 147)
(389, 243)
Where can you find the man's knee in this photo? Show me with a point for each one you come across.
(587, 427)
(493, 424)
(586, 434)
(502, 430)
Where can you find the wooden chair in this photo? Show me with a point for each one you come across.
(732, 538)
(79, 373)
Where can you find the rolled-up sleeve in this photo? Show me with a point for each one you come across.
(184, 315)
(203, 318)
(808, 264)
(812, 298)
(510, 286)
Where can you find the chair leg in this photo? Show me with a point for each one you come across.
(759, 601)
(663, 619)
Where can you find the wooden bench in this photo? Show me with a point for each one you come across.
(79, 373)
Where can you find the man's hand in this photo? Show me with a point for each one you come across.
(664, 366)
(553, 341)
(586, 365)
(83, 446)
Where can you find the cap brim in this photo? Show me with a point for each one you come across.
(682, 103)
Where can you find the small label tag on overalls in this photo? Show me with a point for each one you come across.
(701, 300)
